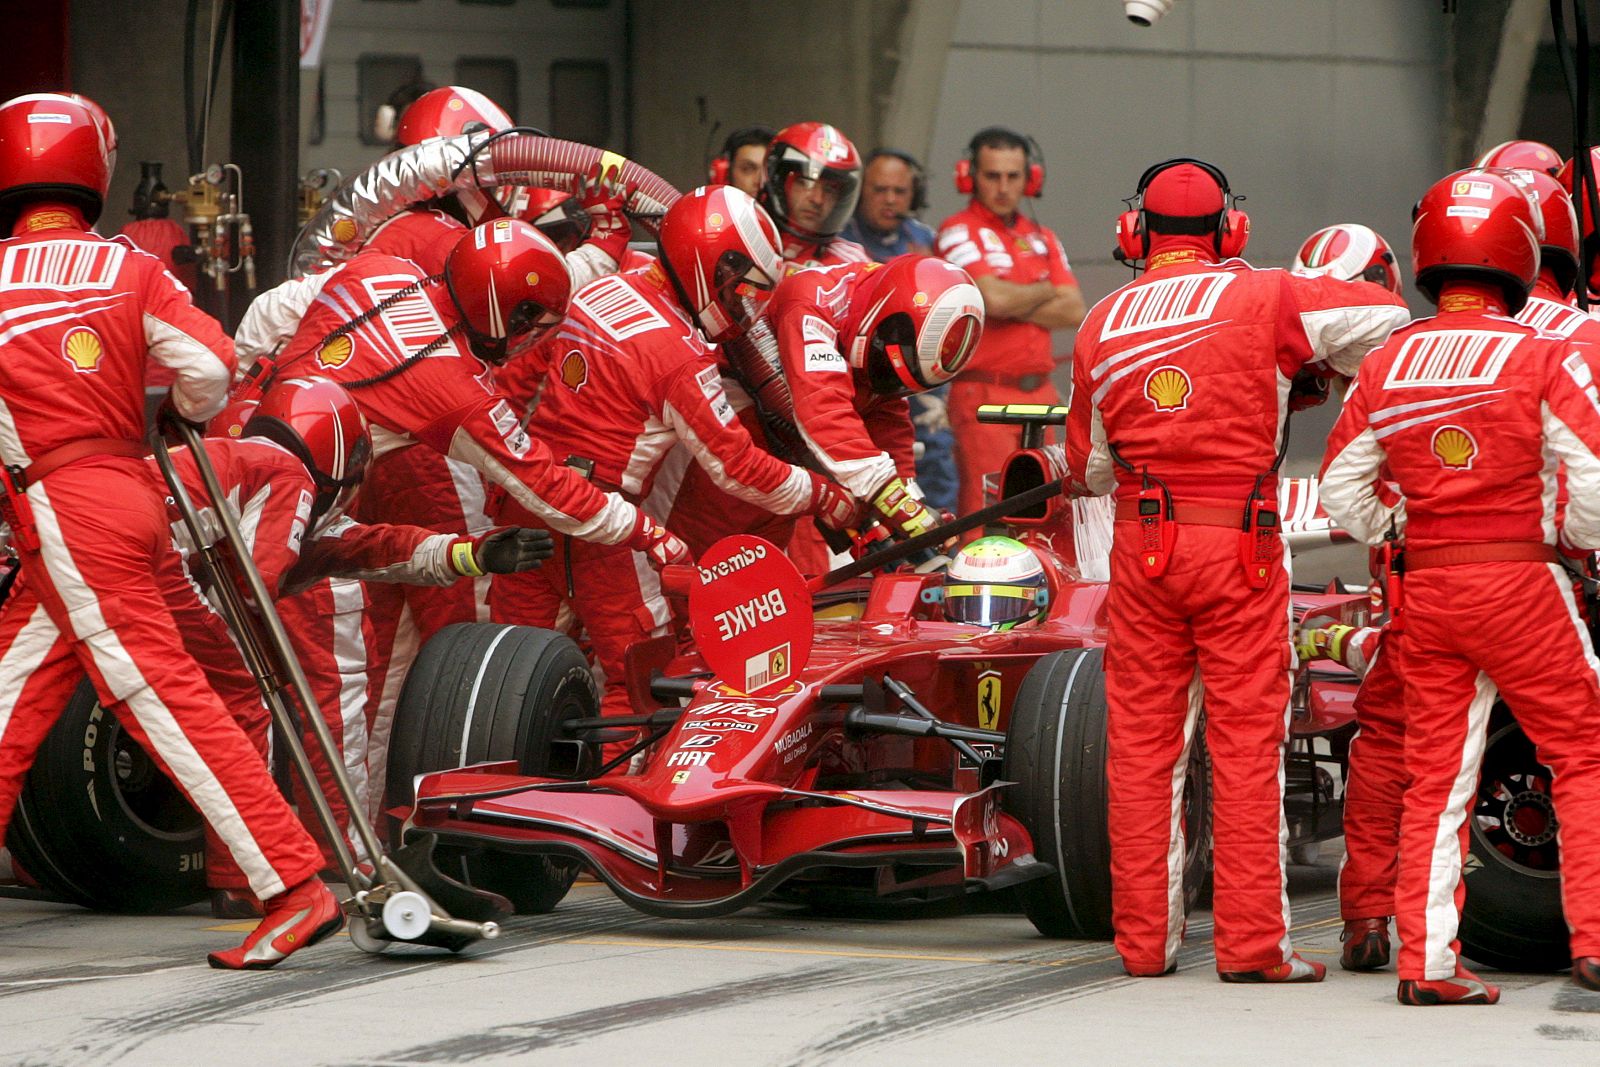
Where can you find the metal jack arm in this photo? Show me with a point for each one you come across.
(391, 901)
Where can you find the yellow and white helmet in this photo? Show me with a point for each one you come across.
(994, 581)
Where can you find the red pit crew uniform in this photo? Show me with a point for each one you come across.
(861, 439)
(630, 380)
(1473, 441)
(1186, 372)
(272, 494)
(1013, 362)
(80, 314)
(1376, 778)
(445, 400)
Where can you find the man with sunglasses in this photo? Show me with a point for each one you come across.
(632, 374)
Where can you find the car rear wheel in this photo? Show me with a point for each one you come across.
(480, 692)
(98, 824)
(1056, 756)
(1512, 919)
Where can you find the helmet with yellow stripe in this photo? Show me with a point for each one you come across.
(994, 581)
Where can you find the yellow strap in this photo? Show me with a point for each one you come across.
(464, 561)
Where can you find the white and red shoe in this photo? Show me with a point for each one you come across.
(295, 919)
(1464, 988)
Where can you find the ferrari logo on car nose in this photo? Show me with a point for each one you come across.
(989, 700)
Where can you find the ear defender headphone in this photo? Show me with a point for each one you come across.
(919, 177)
(1229, 228)
(719, 170)
(1032, 161)
(721, 166)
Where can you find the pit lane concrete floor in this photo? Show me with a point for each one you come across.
(597, 983)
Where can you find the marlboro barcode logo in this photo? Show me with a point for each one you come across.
(74, 264)
(1451, 357)
(1169, 302)
(617, 308)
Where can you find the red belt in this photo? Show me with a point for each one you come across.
(1418, 559)
(72, 452)
(1026, 382)
(1192, 514)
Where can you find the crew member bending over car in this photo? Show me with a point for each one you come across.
(1180, 388)
(633, 375)
(83, 315)
(1470, 411)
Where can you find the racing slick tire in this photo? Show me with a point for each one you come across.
(99, 825)
(1056, 758)
(504, 691)
(1512, 918)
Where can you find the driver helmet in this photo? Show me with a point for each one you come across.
(994, 582)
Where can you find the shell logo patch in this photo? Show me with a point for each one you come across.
(532, 278)
(81, 347)
(574, 370)
(344, 230)
(454, 105)
(714, 220)
(1455, 447)
(1168, 388)
(920, 298)
(337, 352)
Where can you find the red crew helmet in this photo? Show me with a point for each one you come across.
(54, 146)
(447, 111)
(510, 285)
(1350, 252)
(813, 180)
(1476, 224)
(1558, 251)
(319, 422)
(1585, 214)
(1523, 155)
(720, 251)
(553, 213)
(914, 323)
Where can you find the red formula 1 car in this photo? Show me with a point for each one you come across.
(887, 752)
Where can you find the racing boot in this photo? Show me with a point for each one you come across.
(1295, 969)
(294, 919)
(1586, 972)
(1464, 988)
(1366, 944)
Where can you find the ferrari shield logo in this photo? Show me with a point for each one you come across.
(989, 700)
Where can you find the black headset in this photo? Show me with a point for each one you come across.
(919, 177)
(1133, 227)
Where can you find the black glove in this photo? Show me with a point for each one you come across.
(168, 421)
(513, 549)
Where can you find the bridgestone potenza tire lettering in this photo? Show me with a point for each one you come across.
(1056, 756)
(1512, 919)
(506, 689)
(99, 825)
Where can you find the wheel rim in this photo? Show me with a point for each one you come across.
(1196, 846)
(146, 796)
(1513, 816)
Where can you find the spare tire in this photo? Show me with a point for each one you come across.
(1056, 758)
(98, 824)
(480, 692)
(1512, 919)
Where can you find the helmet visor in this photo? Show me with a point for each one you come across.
(820, 205)
(990, 604)
(527, 324)
(956, 347)
(743, 289)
